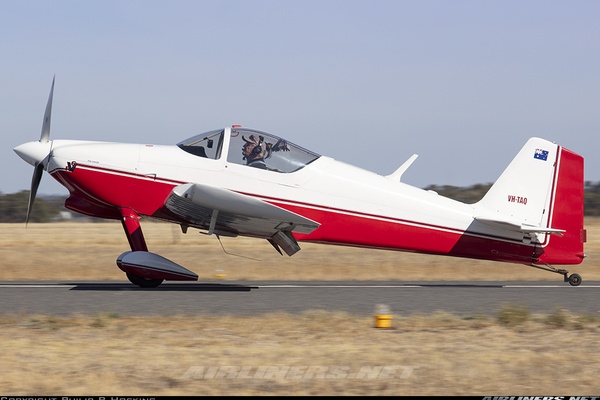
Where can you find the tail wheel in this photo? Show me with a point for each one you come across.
(143, 282)
(574, 280)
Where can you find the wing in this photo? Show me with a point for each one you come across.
(228, 213)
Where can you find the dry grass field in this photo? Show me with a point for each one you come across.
(316, 353)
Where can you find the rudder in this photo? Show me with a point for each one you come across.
(567, 211)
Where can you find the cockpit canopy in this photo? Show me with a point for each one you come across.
(279, 154)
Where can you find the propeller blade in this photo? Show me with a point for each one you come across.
(46, 124)
(39, 166)
(35, 183)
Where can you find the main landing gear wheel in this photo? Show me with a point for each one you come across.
(573, 279)
(143, 282)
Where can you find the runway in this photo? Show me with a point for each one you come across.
(247, 298)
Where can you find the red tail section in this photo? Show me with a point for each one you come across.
(567, 212)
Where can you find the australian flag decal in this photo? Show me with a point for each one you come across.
(541, 154)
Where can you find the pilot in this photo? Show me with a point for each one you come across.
(254, 151)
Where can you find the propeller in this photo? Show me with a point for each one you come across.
(39, 164)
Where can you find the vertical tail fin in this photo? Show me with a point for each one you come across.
(542, 191)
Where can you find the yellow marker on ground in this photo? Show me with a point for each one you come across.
(383, 316)
(219, 274)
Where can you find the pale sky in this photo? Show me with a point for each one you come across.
(463, 84)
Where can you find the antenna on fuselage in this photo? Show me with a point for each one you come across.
(232, 254)
(397, 175)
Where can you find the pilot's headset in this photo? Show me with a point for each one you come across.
(258, 150)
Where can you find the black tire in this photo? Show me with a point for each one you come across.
(143, 282)
(575, 280)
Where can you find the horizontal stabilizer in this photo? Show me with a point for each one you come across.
(517, 227)
(152, 266)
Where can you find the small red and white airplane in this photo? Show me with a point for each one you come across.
(237, 181)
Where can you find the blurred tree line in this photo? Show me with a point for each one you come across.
(471, 194)
(13, 207)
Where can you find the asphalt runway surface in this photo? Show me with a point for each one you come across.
(263, 297)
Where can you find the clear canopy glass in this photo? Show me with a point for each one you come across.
(248, 145)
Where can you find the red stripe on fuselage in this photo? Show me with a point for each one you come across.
(147, 196)
(359, 230)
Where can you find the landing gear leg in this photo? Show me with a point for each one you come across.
(130, 221)
(573, 279)
(133, 230)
